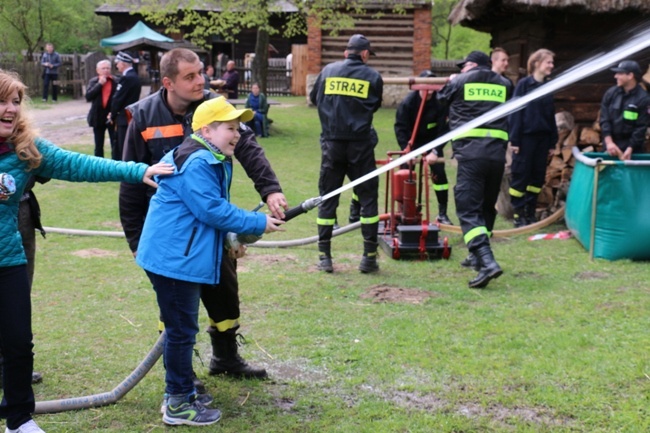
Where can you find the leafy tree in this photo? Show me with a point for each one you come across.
(454, 42)
(234, 16)
(70, 24)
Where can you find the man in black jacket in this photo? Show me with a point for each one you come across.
(99, 92)
(624, 112)
(160, 122)
(347, 94)
(127, 92)
(481, 156)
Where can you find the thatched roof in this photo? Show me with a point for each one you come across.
(470, 10)
(133, 6)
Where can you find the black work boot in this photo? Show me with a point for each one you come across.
(471, 262)
(490, 269)
(36, 377)
(226, 360)
(355, 211)
(368, 263)
(530, 211)
(442, 215)
(325, 264)
(325, 257)
(198, 384)
(520, 217)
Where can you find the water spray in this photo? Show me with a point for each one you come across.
(638, 43)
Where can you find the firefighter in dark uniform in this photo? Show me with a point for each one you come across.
(481, 156)
(624, 112)
(160, 122)
(347, 94)
(433, 124)
(126, 93)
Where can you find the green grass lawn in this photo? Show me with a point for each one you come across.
(559, 343)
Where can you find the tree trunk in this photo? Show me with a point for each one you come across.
(261, 60)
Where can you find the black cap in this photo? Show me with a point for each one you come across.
(628, 67)
(427, 74)
(359, 43)
(478, 57)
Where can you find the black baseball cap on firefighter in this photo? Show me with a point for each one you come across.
(427, 74)
(359, 43)
(628, 67)
(478, 57)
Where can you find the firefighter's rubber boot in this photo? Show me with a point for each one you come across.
(442, 217)
(355, 211)
(490, 269)
(531, 209)
(368, 263)
(520, 218)
(325, 264)
(325, 257)
(471, 262)
(226, 360)
(36, 377)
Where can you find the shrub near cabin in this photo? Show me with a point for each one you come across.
(347, 87)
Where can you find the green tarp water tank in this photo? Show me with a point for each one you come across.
(621, 215)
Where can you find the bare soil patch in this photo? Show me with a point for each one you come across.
(386, 293)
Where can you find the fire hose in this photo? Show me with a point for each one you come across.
(639, 42)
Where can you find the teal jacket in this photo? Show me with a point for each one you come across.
(58, 164)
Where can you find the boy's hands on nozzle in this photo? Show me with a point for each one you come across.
(273, 224)
(162, 168)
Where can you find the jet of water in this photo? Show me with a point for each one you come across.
(589, 67)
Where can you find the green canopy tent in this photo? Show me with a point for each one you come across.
(142, 38)
(139, 33)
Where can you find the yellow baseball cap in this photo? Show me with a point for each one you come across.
(218, 110)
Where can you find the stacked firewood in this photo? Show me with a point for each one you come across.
(561, 164)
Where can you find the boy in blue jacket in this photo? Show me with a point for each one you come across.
(182, 243)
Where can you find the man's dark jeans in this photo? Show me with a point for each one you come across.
(47, 79)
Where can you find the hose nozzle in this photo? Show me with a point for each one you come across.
(302, 208)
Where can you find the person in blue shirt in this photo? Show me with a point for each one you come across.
(182, 244)
(257, 103)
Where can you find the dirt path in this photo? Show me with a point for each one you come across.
(64, 123)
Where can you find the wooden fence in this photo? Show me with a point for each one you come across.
(72, 74)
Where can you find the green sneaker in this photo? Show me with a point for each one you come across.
(188, 410)
(204, 399)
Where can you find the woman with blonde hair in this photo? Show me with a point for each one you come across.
(533, 134)
(22, 155)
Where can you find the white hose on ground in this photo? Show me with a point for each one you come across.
(345, 229)
(106, 398)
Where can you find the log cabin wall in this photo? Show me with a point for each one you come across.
(402, 41)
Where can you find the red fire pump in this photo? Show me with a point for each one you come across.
(406, 234)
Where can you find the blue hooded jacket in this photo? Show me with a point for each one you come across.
(189, 216)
